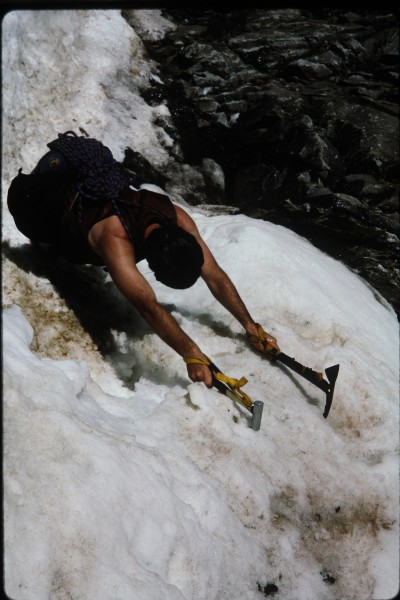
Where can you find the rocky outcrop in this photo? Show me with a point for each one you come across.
(298, 110)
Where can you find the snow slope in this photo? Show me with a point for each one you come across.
(121, 478)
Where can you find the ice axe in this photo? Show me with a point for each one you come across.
(232, 390)
(327, 386)
(230, 387)
(312, 376)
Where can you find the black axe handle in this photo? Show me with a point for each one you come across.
(312, 376)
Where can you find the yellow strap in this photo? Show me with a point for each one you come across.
(197, 361)
(234, 384)
(262, 339)
(231, 382)
(261, 332)
(242, 397)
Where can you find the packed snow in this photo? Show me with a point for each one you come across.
(122, 479)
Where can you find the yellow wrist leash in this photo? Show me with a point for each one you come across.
(232, 384)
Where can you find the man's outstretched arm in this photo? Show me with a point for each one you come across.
(226, 293)
(221, 285)
(118, 256)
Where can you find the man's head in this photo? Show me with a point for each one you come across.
(174, 256)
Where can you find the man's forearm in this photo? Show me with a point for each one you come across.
(167, 328)
(139, 293)
(226, 293)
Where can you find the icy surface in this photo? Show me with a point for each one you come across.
(121, 478)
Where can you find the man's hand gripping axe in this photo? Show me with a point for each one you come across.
(230, 387)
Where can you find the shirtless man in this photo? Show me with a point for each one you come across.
(108, 238)
(50, 206)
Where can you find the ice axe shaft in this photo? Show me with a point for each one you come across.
(256, 408)
(312, 376)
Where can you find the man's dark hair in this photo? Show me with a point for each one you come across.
(174, 255)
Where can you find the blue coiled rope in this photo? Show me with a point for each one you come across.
(100, 179)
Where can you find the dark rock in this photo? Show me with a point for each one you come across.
(140, 169)
(328, 577)
(268, 590)
(299, 109)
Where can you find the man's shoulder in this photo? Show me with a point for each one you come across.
(106, 232)
(184, 220)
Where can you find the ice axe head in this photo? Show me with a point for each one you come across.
(313, 377)
(331, 374)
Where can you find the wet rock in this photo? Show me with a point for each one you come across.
(298, 110)
(268, 590)
(140, 170)
(327, 577)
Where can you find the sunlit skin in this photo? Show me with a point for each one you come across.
(109, 239)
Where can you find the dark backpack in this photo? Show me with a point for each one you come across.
(47, 208)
